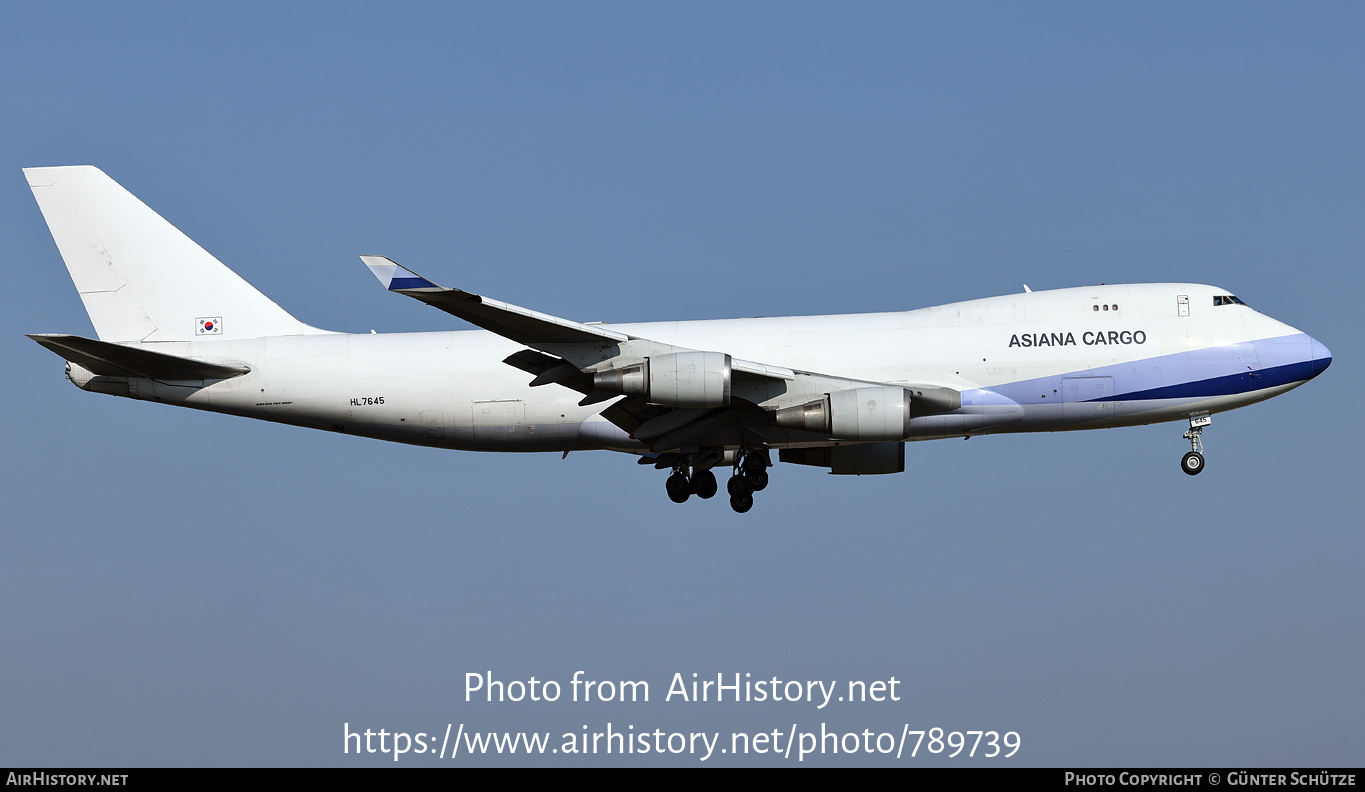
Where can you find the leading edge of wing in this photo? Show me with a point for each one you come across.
(522, 325)
(532, 328)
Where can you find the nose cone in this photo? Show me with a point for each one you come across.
(1321, 358)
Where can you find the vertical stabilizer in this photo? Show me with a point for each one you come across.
(140, 278)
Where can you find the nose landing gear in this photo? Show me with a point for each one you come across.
(1193, 462)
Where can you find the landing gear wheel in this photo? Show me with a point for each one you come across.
(741, 503)
(757, 477)
(678, 488)
(739, 486)
(1193, 462)
(704, 484)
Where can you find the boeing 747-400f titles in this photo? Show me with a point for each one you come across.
(839, 392)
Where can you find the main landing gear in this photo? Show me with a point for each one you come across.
(680, 487)
(750, 476)
(1193, 462)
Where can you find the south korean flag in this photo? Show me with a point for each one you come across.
(209, 325)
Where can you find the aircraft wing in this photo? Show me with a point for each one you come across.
(570, 354)
(522, 325)
(537, 330)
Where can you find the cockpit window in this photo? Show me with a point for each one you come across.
(1226, 299)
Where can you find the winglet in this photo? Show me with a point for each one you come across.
(395, 276)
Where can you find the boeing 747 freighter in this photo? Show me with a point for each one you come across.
(844, 392)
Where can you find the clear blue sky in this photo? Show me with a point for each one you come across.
(185, 588)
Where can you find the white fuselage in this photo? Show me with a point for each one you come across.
(1077, 358)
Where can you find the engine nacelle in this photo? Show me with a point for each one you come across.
(873, 413)
(678, 379)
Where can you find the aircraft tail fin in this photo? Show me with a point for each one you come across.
(140, 278)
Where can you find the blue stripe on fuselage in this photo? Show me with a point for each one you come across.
(1229, 385)
(1199, 373)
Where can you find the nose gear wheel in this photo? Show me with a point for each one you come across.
(1193, 462)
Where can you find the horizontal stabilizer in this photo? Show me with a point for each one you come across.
(115, 360)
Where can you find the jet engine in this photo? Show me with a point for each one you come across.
(678, 379)
(873, 413)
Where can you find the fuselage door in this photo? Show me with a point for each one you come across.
(1182, 305)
